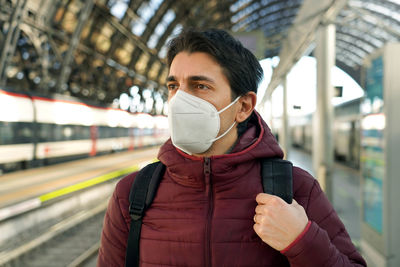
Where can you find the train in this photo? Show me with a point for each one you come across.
(346, 132)
(37, 131)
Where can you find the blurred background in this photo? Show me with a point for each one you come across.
(83, 102)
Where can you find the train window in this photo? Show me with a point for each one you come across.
(147, 131)
(117, 132)
(78, 132)
(114, 132)
(58, 133)
(103, 132)
(136, 131)
(121, 132)
(126, 131)
(85, 132)
(68, 133)
(45, 132)
(110, 132)
(6, 133)
(100, 132)
(23, 132)
(74, 132)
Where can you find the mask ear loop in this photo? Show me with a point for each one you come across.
(228, 106)
(222, 135)
(230, 128)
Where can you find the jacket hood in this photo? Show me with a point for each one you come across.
(255, 143)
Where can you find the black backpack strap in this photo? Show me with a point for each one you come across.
(277, 178)
(142, 193)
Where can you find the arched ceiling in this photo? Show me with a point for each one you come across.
(98, 49)
(362, 27)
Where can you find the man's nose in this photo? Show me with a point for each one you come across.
(184, 87)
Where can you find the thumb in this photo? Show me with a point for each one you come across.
(294, 202)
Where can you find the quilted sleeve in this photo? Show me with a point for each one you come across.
(115, 231)
(326, 243)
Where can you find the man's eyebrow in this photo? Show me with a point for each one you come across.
(197, 78)
(194, 78)
(171, 79)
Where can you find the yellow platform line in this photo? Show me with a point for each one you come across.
(89, 183)
(36, 202)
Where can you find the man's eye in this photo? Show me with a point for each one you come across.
(202, 86)
(172, 86)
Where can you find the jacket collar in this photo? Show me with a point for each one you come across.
(255, 143)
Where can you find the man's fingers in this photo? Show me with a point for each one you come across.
(259, 218)
(263, 209)
(263, 199)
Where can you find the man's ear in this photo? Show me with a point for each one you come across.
(247, 104)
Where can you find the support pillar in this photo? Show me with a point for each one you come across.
(323, 117)
(285, 141)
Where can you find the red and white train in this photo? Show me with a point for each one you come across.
(35, 130)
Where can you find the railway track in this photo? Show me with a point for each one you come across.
(71, 242)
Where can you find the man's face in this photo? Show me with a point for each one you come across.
(200, 75)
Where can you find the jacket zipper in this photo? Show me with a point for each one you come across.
(209, 191)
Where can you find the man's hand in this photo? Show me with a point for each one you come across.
(278, 223)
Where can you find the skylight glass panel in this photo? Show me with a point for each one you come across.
(236, 6)
(169, 17)
(160, 28)
(163, 50)
(118, 9)
(138, 28)
(147, 10)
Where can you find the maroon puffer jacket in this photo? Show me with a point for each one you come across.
(203, 214)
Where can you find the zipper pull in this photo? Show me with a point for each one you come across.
(207, 166)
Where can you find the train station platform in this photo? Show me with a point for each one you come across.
(39, 205)
(24, 190)
(346, 191)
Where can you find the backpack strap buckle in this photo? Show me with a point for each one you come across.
(138, 204)
(136, 210)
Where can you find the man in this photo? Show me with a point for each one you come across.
(209, 209)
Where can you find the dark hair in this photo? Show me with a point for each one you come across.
(239, 65)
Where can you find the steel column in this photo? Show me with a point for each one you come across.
(285, 140)
(323, 117)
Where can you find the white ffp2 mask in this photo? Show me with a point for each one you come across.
(194, 123)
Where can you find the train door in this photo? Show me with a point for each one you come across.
(93, 137)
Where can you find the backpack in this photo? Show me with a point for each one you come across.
(276, 180)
